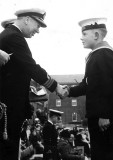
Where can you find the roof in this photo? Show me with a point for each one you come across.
(68, 78)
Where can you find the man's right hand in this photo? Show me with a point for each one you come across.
(62, 91)
(103, 124)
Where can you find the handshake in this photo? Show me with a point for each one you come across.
(62, 91)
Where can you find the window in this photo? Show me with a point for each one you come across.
(74, 117)
(74, 102)
(58, 102)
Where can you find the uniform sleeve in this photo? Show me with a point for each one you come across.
(23, 57)
(78, 90)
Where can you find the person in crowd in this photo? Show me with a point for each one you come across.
(41, 115)
(25, 132)
(80, 140)
(27, 153)
(4, 57)
(72, 138)
(35, 139)
(97, 85)
(65, 147)
(7, 22)
(33, 143)
(16, 76)
(50, 135)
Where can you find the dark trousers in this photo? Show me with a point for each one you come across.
(101, 141)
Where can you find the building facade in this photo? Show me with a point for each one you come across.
(73, 108)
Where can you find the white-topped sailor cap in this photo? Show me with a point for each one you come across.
(7, 22)
(93, 23)
(53, 112)
(35, 13)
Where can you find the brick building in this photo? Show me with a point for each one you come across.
(73, 108)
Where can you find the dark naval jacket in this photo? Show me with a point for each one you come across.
(97, 83)
(17, 74)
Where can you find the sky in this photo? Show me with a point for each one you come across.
(58, 48)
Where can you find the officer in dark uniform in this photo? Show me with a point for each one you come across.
(50, 136)
(16, 76)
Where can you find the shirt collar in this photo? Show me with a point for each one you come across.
(50, 121)
(16, 26)
(101, 45)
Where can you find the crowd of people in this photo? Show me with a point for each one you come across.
(52, 141)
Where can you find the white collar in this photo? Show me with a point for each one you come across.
(16, 26)
(101, 45)
(101, 48)
(50, 121)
